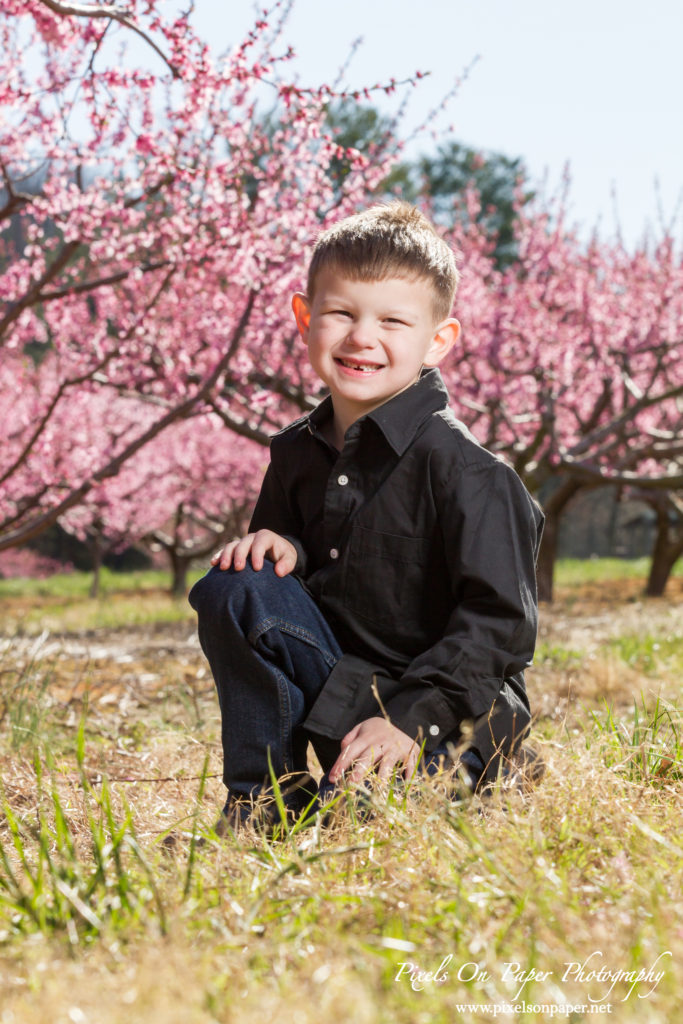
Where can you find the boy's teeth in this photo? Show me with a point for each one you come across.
(359, 366)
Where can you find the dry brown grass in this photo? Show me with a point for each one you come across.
(314, 927)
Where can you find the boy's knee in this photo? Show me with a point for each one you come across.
(221, 587)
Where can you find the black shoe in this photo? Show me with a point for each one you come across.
(263, 813)
(525, 769)
(519, 772)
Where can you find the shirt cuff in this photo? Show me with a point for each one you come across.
(357, 690)
(347, 697)
(423, 713)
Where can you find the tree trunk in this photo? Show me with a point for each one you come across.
(553, 507)
(179, 567)
(668, 548)
(545, 567)
(96, 552)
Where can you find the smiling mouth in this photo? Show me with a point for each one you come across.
(363, 367)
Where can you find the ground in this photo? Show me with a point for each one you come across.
(551, 895)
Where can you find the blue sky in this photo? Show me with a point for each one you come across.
(595, 83)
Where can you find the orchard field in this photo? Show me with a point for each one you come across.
(112, 910)
(159, 201)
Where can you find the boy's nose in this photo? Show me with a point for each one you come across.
(361, 334)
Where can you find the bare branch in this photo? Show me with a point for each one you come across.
(598, 409)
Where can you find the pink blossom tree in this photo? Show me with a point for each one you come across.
(570, 363)
(186, 492)
(168, 221)
(154, 256)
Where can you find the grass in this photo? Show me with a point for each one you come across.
(577, 571)
(62, 602)
(112, 911)
(142, 598)
(76, 585)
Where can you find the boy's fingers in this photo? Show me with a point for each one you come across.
(385, 756)
(350, 736)
(265, 543)
(410, 765)
(388, 763)
(258, 546)
(284, 556)
(284, 565)
(361, 767)
(362, 757)
(224, 558)
(258, 550)
(341, 764)
(242, 549)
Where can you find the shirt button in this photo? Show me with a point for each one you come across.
(343, 480)
(334, 553)
(434, 730)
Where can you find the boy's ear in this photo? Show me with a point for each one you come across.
(445, 337)
(301, 308)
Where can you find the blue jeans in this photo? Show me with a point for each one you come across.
(270, 650)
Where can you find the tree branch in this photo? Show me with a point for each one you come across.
(101, 282)
(15, 200)
(611, 428)
(33, 294)
(111, 468)
(240, 426)
(590, 473)
(112, 12)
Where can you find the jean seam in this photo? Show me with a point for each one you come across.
(285, 721)
(299, 632)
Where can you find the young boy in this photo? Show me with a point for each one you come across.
(383, 601)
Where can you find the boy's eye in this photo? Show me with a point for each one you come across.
(394, 320)
(339, 312)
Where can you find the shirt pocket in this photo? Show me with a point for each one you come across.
(386, 579)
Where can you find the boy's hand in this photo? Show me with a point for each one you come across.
(260, 545)
(375, 742)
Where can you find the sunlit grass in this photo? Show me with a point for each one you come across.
(651, 654)
(112, 911)
(77, 584)
(115, 612)
(63, 602)
(131, 599)
(294, 925)
(576, 571)
(569, 571)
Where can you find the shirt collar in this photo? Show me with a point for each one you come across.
(400, 417)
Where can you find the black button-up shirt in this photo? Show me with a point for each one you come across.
(419, 547)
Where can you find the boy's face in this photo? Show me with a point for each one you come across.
(368, 340)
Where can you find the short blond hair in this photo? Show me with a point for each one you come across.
(388, 240)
